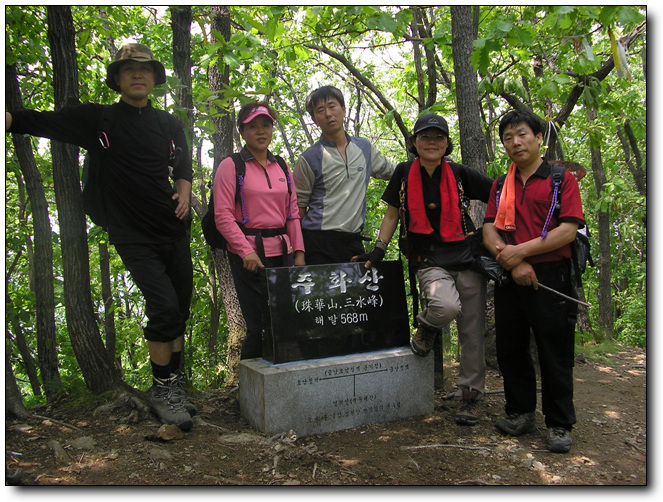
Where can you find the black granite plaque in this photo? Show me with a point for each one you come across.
(320, 311)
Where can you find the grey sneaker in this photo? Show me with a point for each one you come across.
(166, 404)
(467, 410)
(178, 388)
(423, 340)
(558, 440)
(517, 423)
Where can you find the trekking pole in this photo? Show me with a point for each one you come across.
(563, 295)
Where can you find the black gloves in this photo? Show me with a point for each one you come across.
(375, 256)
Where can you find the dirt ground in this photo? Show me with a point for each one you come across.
(120, 443)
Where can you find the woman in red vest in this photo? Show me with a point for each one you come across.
(430, 193)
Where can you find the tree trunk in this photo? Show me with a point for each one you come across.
(109, 308)
(22, 346)
(13, 402)
(181, 17)
(215, 317)
(43, 246)
(472, 140)
(86, 341)
(222, 148)
(421, 28)
(417, 59)
(633, 157)
(605, 319)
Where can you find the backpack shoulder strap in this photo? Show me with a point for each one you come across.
(281, 161)
(240, 166)
(556, 177)
(500, 182)
(557, 174)
(463, 200)
(403, 190)
(498, 191)
(240, 172)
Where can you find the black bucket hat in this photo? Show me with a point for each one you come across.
(134, 52)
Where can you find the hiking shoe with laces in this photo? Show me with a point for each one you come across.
(165, 403)
(178, 387)
(423, 340)
(517, 423)
(467, 409)
(558, 440)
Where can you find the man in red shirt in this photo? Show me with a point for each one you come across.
(531, 239)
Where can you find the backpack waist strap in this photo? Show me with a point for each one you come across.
(265, 232)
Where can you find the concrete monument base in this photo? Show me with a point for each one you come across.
(325, 395)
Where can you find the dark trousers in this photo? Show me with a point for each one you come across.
(164, 275)
(552, 319)
(327, 246)
(249, 293)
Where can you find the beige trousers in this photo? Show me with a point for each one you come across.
(461, 295)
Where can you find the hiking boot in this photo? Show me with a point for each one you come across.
(558, 440)
(165, 403)
(423, 340)
(467, 409)
(517, 423)
(178, 388)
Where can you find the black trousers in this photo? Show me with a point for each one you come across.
(164, 275)
(519, 311)
(327, 246)
(249, 294)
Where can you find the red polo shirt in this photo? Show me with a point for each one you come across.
(533, 201)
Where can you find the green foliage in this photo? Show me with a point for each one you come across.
(631, 308)
(597, 351)
(533, 54)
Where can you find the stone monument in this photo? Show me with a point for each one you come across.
(331, 310)
(335, 351)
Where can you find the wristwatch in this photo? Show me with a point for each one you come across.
(380, 244)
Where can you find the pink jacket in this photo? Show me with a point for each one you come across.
(266, 204)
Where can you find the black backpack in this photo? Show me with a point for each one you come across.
(213, 237)
(580, 248)
(91, 178)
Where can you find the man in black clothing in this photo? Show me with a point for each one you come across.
(144, 212)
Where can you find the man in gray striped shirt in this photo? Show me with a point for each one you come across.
(331, 178)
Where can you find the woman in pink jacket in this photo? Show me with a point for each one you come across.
(261, 223)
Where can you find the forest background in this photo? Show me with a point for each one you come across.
(72, 314)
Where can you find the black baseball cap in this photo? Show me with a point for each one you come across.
(431, 120)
